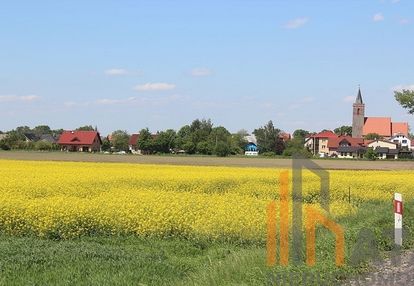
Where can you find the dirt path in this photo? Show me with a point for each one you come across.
(389, 273)
(206, 161)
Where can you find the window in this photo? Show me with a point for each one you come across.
(404, 141)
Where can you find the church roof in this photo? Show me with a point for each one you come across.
(359, 97)
(399, 127)
(379, 125)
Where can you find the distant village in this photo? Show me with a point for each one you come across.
(368, 137)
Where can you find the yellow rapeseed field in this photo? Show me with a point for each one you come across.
(68, 199)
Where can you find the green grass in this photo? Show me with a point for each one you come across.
(133, 260)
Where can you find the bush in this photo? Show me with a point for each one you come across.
(299, 151)
(370, 154)
(222, 149)
(4, 145)
(43, 146)
(268, 154)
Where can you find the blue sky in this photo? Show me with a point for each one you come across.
(160, 64)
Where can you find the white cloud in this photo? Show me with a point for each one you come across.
(155, 86)
(349, 98)
(71, 104)
(401, 87)
(199, 72)
(306, 99)
(141, 101)
(107, 101)
(17, 98)
(296, 23)
(301, 102)
(116, 71)
(404, 21)
(378, 17)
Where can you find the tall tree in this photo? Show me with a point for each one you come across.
(300, 133)
(184, 141)
(145, 142)
(406, 99)
(220, 141)
(343, 130)
(165, 141)
(86, 128)
(268, 139)
(200, 130)
(120, 140)
(239, 142)
(42, 130)
(23, 129)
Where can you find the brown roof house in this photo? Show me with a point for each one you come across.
(133, 141)
(80, 141)
(317, 144)
(346, 147)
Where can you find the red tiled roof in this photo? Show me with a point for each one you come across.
(133, 140)
(325, 134)
(379, 125)
(399, 127)
(78, 137)
(285, 136)
(334, 142)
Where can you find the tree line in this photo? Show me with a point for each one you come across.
(198, 137)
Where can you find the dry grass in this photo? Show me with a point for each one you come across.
(205, 160)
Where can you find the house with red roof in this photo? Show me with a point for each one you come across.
(133, 143)
(317, 144)
(384, 126)
(346, 147)
(80, 141)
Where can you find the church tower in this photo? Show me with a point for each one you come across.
(358, 116)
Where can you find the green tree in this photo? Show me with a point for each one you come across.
(41, 130)
(43, 146)
(406, 99)
(205, 148)
(373, 136)
(343, 130)
(300, 133)
(189, 136)
(106, 145)
(183, 139)
(165, 141)
(120, 140)
(239, 142)
(145, 142)
(222, 149)
(23, 129)
(218, 138)
(296, 146)
(370, 154)
(200, 130)
(86, 128)
(268, 139)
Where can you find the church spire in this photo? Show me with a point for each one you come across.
(359, 97)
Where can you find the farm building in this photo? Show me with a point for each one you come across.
(80, 141)
(251, 148)
(133, 143)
